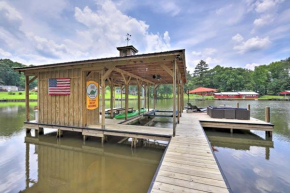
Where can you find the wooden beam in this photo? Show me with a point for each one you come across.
(167, 69)
(108, 72)
(27, 97)
(32, 79)
(123, 72)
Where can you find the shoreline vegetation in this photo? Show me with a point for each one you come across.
(19, 96)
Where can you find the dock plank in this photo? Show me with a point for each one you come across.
(189, 164)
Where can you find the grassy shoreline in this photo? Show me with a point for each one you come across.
(20, 95)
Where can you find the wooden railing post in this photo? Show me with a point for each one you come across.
(267, 114)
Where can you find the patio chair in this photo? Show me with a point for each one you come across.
(193, 107)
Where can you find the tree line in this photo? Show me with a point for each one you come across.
(10, 77)
(264, 79)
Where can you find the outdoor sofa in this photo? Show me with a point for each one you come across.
(228, 113)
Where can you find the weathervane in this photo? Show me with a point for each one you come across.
(128, 38)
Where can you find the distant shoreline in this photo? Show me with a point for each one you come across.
(185, 100)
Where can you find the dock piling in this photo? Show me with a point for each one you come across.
(249, 107)
(267, 114)
(40, 131)
(238, 105)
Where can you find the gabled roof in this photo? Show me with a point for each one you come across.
(285, 92)
(202, 90)
(146, 66)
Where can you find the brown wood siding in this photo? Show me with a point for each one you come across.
(61, 109)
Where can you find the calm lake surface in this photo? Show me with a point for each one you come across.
(45, 164)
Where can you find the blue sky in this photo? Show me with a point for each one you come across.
(237, 33)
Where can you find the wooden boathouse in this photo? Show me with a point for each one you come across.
(75, 109)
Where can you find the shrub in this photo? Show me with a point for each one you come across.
(20, 93)
(10, 93)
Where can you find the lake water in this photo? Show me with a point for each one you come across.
(45, 164)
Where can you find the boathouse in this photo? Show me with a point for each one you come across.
(236, 95)
(80, 103)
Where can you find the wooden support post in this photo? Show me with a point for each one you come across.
(121, 88)
(40, 131)
(111, 99)
(178, 103)
(126, 100)
(154, 96)
(103, 100)
(84, 138)
(60, 133)
(145, 95)
(174, 97)
(238, 105)
(232, 131)
(267, 114)
(114, 96)
(249, 107)
(148, 97)
(27, 96)
(103, 140)
(139, 105)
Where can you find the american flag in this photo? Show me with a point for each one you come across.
(59, 86)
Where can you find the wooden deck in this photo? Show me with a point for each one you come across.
(252, 124)
(189, 164)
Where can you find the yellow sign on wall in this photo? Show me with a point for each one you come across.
(92, 95)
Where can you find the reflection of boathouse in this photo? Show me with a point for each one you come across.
(74, 167)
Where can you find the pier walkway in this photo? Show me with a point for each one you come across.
(188, 164)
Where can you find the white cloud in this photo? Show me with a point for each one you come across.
(264, 20)
(238, 38)
(252, 44)
(223, 9)
(196, 53)
(9, 12)
(169, 7)
(107, 27)
(251, 66)
(209, 51)
(266, 5)
(4, 53)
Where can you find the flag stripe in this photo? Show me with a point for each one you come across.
(59, 86)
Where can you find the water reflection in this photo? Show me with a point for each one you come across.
(240, 140)
(68, 165)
